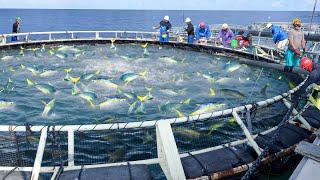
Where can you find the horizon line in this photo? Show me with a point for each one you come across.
(151, 9)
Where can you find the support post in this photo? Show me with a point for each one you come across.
(247, 133)
(296, 113)
(70, 148)
(38, 160)
(168, 154)
(97, 35)
(249, 122)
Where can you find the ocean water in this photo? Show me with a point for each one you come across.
(142, 20)
(125, 83)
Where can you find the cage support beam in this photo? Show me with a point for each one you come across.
(168, 154)
(296, 113)
(246, 132)
(40, 151)
(70, 148)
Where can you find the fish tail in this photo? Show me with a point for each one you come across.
(91, 103)
(179, 113)
(29, 82)
(119, 91)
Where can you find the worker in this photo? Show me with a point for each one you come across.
(165, 27)
(16, 29)
(297, 46)
(279, 36)
(203, 33)
(225, 35)
(190, 30)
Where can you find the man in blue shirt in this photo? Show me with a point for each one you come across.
(279, 36)
(203, 33)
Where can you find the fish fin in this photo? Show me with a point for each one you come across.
(22, 66)
(186, 101)
(68, 70)
(179, 113)
(143, 74)
(30, 82)
(212, 92)
(198, 74)
(149, 89)
(44, 103)
(91, 103)
(119, 91)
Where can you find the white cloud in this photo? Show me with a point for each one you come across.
(277, 4)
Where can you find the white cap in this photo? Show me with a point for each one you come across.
(166, 18)
(269, 25)
(188, 20)
(225, 26)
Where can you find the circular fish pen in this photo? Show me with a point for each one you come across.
(115, 103)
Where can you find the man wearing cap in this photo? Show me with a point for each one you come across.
(165, 27)
(203, 33)
(314, 77)
(279, 36)
(16, 28)
(297, 45)
(225, 35)
(190, 30)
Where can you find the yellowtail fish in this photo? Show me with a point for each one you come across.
(291, 85)
(48, 107)
(51, 52)
(117, 154)
(62, 56)
(169, 92)
(232, 67)
(168, 60)
(48, 73)
(206, 108)
(29, 82)
(106, 83)
(188, 133)
(129, 76)
(46, 88)
(68, 49)
(145, 98)
(7, 58)
(144, 45)
(215, 127)
(111, 103)
(264, 89)
(6, 104)
(89, 96)
(233, 93)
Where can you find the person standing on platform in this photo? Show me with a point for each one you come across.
(190, 30)
(16, 28)
(297, 46)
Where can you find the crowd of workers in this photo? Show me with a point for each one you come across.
(293, 42)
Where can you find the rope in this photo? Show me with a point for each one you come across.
(258, 161)
(11, 171)
(129, 171)
(313, 12)
(254, 86)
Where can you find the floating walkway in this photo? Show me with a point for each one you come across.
(56, 151)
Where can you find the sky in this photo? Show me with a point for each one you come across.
(273, 5)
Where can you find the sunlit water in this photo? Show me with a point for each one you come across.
(171, 82)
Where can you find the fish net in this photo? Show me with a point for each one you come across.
(123, 145)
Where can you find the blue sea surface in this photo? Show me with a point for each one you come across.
(142, 20)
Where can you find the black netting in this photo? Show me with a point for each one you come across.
(18, 148)
(56, 149)
(99, 147)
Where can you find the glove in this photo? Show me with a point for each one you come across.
(297, 51)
